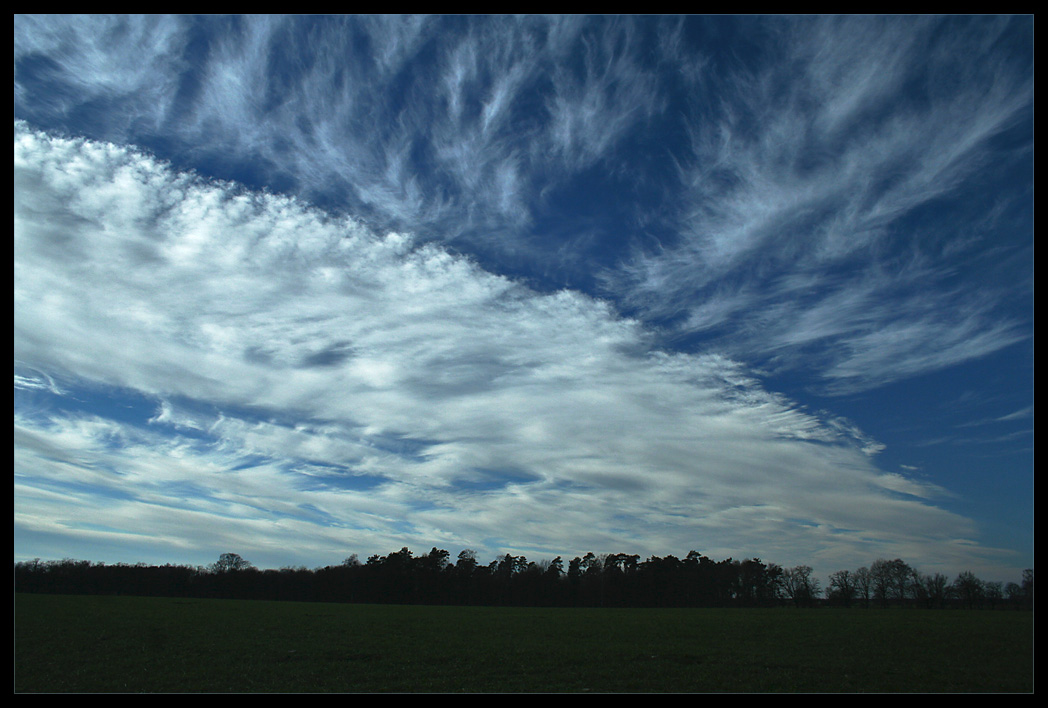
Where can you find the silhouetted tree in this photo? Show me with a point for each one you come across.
(228, 562)
(757, 583)
(841, 589)
(864, 585)
(1014, 592)
(932, 590)
(467, 561)
(968, 588)
(891, 580)
(799, 585)
(993, 592)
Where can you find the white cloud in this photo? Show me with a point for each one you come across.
(324, 390)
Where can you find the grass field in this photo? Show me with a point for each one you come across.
(131, 644)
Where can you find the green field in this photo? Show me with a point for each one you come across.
(132, 644)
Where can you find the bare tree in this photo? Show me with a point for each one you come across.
(799, 585)
(969, 588)
(993, 591)
(891, 580)
(932, 590)
(863, 585)
(842, 587)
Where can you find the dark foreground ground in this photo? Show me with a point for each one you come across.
(132, 644)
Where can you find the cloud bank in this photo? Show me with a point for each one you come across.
(308, 388)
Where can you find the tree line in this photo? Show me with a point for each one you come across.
(592, 580)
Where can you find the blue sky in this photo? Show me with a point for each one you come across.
(304, 287)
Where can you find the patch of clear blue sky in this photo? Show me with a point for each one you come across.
(117, 404)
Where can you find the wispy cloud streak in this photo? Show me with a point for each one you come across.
(803, 236)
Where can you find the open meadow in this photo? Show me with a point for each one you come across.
(136, 644)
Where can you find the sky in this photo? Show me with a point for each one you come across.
(305, 287)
